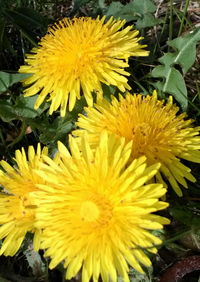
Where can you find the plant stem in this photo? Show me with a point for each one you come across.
(2, 138)
(183, 18)
(171, 22)
(139, 85)
(177, 236)
(180, 16)
(20, 136)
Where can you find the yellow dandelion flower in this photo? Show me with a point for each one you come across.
(96, 213)
(17, 212)
(155, 128)
(77, 55)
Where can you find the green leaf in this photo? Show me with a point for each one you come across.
(172, 79)
(108, 91)
(8, 79)
(102, 4)
(114, 9)
(58, 130)
(60, 127)
(31, 17)
(143, 6)
(24, 107)
(146, 10)
(174, 84)
(185, 215)
(186, 49)
(7, 112)
(147, 20)
(140, 10)
(27, 20)
(125, 12)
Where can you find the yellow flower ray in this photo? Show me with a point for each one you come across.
(96, 211)
(17, 212)
(77, 56)
(156, 129)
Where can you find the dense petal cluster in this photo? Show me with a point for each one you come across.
(156, 129)
(17, 212)
(77, 56)
(96, 212)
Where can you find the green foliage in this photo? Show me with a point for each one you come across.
(140, 10)
(26, 20)
(24, 107)
(189, 216)
(108, 91)
(8, 79)
(52, 131)
(22, 23)
(184, 56)
(7, 112)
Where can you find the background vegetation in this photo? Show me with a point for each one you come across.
(171, 29)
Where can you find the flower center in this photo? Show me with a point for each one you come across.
(141, 129)
(89, 211)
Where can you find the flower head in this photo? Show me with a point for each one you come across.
(17, 212)
(96, 213)
(77, 55)
(155, 128)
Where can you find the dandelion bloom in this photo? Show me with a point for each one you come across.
(17, 213)
(76, 56)
(97, 212)
(157, 131)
